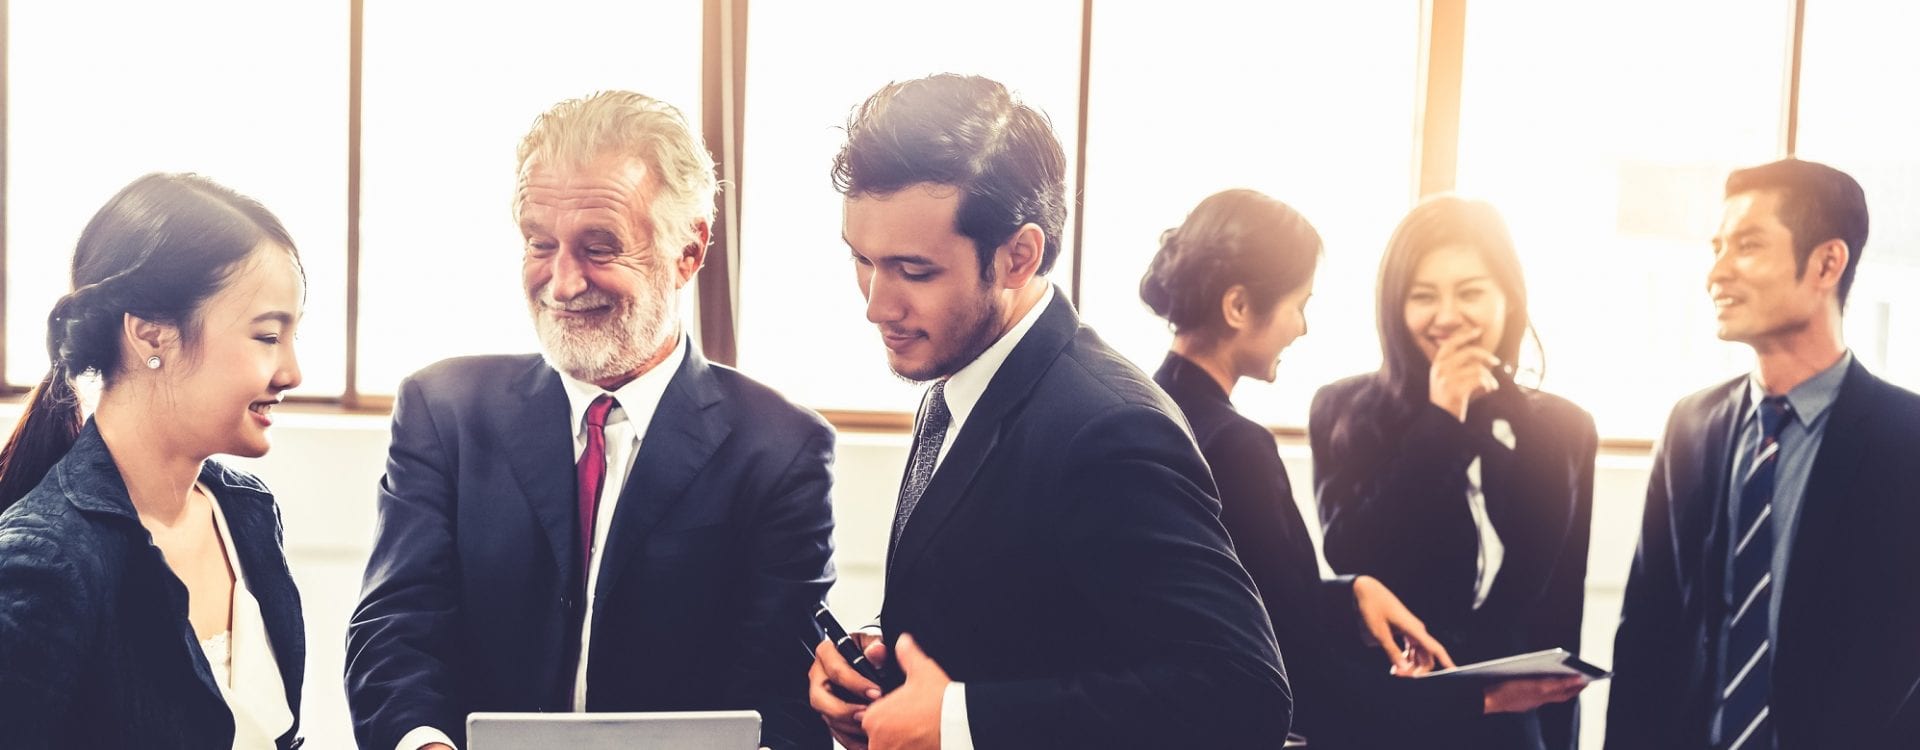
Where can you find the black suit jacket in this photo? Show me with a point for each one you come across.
(1847, 660)
(1391, 480)
(96, 650)
(718, 552)
(1067, 563)
(1341, 691)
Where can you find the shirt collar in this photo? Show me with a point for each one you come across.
(1810, 399)
(964, 388)
(639, 398)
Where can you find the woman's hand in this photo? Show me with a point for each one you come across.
(1391, 625)
(1462, 371)
(1529, 693)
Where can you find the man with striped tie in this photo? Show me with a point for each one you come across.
(1770, 603)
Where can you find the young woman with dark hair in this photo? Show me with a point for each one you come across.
(1233, 281)
(145, 599)
(1467, 494)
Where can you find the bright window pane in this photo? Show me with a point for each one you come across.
(253, 95)
(803, 324)
(1192, 98)
(1852, 117)
(440, 255)
(1605, 140)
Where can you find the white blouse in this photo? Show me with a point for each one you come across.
(1492, 551)
(243, 664)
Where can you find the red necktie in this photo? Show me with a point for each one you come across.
(591, 472)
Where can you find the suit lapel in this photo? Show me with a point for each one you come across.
(1706, 516)
(1005, 393)
(539, 448)
(680, 439)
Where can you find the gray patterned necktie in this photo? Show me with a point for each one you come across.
(926, 453)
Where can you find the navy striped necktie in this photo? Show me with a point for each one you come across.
(1746, 685)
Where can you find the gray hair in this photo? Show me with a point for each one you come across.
(577, 131)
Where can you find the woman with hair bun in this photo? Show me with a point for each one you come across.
(145, 599)
(1233, 282)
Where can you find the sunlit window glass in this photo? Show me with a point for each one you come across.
(1853, 117)
(803, 324)
(1605, 139)
(252, 95)
(1310, 103)
(447, 97)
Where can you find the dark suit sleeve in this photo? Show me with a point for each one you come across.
(790, 574)
(1143, 546)
(1644, 703)
(1268, 534)
(1393, 515)
(44, 632)
(1557, 618)
(399, 670)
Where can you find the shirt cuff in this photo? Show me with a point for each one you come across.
(423, 737)
(955, 734)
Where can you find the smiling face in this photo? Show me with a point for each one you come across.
(241, 359)
(1759, 292)
(600, 290)
(1453, 292)
(921, 279)
(1256, 349)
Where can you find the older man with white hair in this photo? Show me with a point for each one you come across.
(614, 524)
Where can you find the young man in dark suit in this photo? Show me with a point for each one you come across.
(1771, 602)
(613, 525)
(1057, 574)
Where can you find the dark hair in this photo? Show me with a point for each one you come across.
(1234, 237)
(970, 133)
(157, 250)
(1817, 203)
(1437, 222)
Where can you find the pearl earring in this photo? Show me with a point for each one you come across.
(153, 362)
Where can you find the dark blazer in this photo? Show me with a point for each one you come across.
(717, 555)
(1067, 563)
(1340, 689)
(1390, 475)
(96, 650)
(1847, 660)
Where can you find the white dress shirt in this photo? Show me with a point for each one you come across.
(627, 424)
(1492, 550)
(242, 660)
(963, 392)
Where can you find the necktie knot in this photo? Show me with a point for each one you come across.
(598, 410)
(1774, 411)
(937, 416)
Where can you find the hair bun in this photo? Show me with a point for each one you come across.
(1158, 284)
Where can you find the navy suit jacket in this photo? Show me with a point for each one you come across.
(717, 554)
(96, 650)
(1846, 669)
(1067, 563)
(1391, 477)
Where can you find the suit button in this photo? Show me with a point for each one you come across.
(566, 602)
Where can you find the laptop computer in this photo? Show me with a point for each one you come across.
(690, 730)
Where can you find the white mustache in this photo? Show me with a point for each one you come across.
(589, 300)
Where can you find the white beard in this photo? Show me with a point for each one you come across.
(614, 343)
